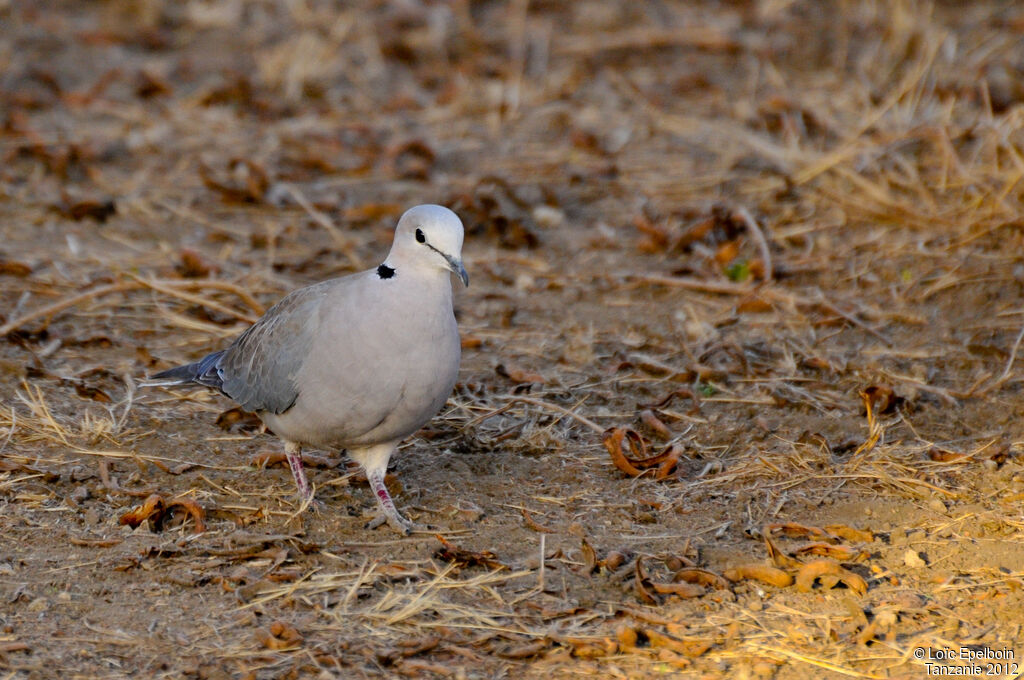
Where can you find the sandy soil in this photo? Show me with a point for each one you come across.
(780, 243)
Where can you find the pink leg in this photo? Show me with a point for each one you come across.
(294, 455)
(389, 513)
(374, 460)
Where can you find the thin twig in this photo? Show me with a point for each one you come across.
(61, 305)
(691, 283)
(137, 283)
(559, 409)
(762, 243)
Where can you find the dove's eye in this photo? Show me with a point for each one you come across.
(420, 238)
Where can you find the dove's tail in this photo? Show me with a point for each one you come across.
(206, 372)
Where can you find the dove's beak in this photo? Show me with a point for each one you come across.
(455, 264)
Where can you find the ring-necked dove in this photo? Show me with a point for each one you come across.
(357, 363)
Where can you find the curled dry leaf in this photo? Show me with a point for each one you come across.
(89, 392)
(449, 552)
(98, 210)
(684, 590)
(879, 399)
(133, 518)
(702, 577)
(589, 556)
(192, 265)
(640, 584)
(248, 184)
(793, 530)
(627, 637)
(279, 636)
(830, 574)
(691, 648)
(634, 465)
(849, 533)
(773, 576)
(652, 421)
(524, 651)
(493, 210)
(10, 268)
(532, 523)
(615, 559)
(843, 553)
(779, 558)
(518, 375)
(655, 238)
(157, 511)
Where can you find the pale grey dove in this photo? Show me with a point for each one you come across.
(356, 363)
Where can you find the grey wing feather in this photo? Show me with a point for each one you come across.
(258, 370)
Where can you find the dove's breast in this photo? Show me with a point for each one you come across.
(384, 360)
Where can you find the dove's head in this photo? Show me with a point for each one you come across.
(429, 236)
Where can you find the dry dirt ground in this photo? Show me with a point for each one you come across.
(779, 244)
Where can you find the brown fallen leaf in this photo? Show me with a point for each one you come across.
(684, 590)
(651, 420)
(753, 304)
(627, 637)
(843, 553)
(879, 399)
(156, 511)
(98, 210)
(518, 375)
(702, 577)
(248, 184)
(589, 556)
(192, 265)
(279, 636)
(137, 516)
(640, 584)
(615, 559)
(690, 648)
(148, 85)
(849, 533)
(524, 651)
(94, 542)
(532, 523)
(11, 268)
(655, 238)
(634, 464)
(88, 392)
(779, 558)
(793, 530)
(829, 574)
(759, 572)
(668, 465)
(449, 552)
(194, 510)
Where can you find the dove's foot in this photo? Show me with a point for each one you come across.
(397, 522)
(388, 512)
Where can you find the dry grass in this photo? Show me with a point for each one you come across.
(779, 241)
